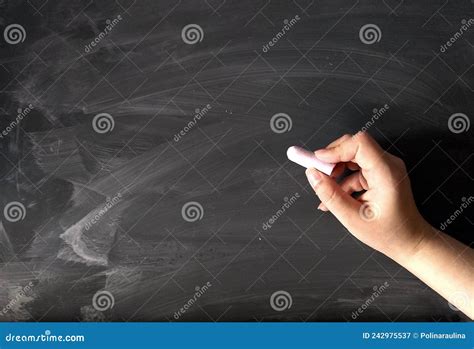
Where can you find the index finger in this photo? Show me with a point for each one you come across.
(360, 148)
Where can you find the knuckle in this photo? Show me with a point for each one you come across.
(398, 163)
(346, 136)
(365, 140)
(397, 168)
(362, 136)
(402, 165)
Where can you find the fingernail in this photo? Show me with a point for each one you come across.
(321, 153)
(314, 177)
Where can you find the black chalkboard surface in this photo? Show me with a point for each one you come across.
(143, 166)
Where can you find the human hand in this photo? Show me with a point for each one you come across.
(385, 216)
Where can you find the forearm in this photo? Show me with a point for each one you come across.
(445, 265)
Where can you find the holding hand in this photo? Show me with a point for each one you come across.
(384, 216)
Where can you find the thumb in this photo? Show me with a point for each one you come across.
(340, 203)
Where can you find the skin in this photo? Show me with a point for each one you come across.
(385, 217)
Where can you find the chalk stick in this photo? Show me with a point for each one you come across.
(307, 159)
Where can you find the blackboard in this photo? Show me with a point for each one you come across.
(143, 167)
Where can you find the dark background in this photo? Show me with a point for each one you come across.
(142, 73)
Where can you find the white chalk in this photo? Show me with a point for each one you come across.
(307, 159)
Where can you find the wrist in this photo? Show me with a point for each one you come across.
(417, 238)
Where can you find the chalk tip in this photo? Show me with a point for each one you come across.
(291, 151)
